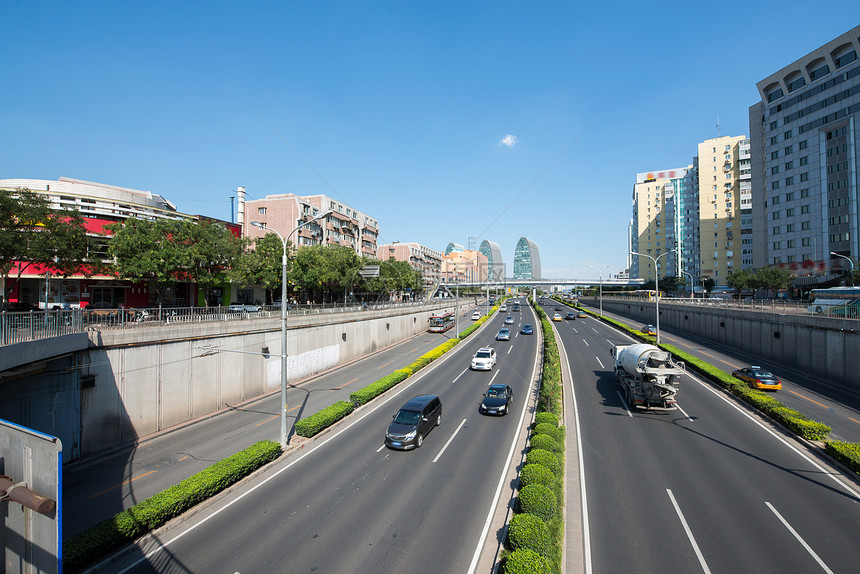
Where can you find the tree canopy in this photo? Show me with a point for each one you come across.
(32, 232)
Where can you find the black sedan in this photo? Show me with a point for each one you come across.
(527, 330)
(497, 400)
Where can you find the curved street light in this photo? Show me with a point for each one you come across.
(600, 275)
(656, 283)
(849, 261)
(692, 285)
(284, 315)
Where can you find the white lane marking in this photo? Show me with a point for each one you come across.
(502, 481)
(683, 411)
(799, 539)
(593, 329)
(586, 533)
(164, 543)
(623, 402)
(599, 363)
(689, 533)
(460, 375)
(496, 374)
(833, 476)
(509, 349)
(586, 343)
(380, 448)
(449, 440)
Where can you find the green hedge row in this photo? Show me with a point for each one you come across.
(848, 453)
(311, 425)
(797, 422)
(94, 543)
(536, 533)
(321, 420)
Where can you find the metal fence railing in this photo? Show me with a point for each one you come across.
(23, 326)
(780, 306)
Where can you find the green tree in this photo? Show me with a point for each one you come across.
(772, 278)
(213, 255)
(741, 279)
(669, 284)
(32, 232)
(708, 284)
(265, 262)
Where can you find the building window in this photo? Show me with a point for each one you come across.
(777, 245)
(774, 185)
(802, 145)
(804, 160)
(804, 225)
(787, 135)
(774, 140)
(789, 244)
(789, 228)
(773, 125)
(789, 196)
(804, 192)
(804, 209)
(789, 164)
(774, 200)
(789, 180)
(789, 212)
(805, 242)
(775, 215)
(777, 230)
(788, 150)
(774, 154)
(845, 59)
(804, 176)
(261, 210)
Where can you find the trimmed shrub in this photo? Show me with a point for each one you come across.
(546, 418)
(549, 429)
(323, 419)
(378, 387)
(155, 511)
(848, 453)
(529, 531)
(525, 561)
(545, 442)
(536, 474)
(539, 500)
(546, 458)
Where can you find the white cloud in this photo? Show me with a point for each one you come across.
(509, 140)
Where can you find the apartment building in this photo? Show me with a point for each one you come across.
(422, 258)
(719, 207)
(804, 162)
(292, 216)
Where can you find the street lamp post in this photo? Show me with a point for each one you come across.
(656, 283)
(690, 275)
(600, 275)
(849, 261)
(284, 315)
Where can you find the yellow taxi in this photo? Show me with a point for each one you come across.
(758, 378)
(580, 314)
(649, 330)
(556, 317)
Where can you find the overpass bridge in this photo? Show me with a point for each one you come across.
(508, 282)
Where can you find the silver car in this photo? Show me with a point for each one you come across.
(503, 335)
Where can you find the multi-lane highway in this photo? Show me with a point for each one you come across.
(816, 398)
(709, 487)
(348, 504)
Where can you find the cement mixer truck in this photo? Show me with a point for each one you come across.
(648, 376)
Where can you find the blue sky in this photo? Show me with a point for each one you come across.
(400, 109)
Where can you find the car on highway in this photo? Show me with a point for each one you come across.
(503, 335)
(483, 359)
(580, 314)
(516, 308)
(649, 329)
(557, 309)
(417, 417)
(497, 400)
(476, 315)
(503, 308)
(527, 329)
(556, 317)
(509, 320)
(571, 316)
(758, 378)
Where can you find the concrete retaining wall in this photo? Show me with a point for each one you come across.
(132, 383)
(823, 347)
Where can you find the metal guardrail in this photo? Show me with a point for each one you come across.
(24, 326)
(779, 306)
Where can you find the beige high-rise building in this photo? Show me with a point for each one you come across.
(720, 207)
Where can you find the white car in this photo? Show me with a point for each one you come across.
(509, 320)
(484, 359)
(503, 308)
(476, 315)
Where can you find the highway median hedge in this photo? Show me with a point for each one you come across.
(96, 542)
(848, 453)
(311, 425)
